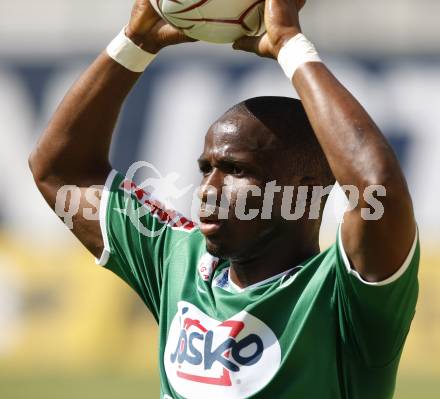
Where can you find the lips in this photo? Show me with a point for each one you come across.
(210, 225)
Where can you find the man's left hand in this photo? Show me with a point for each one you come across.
(281, 18)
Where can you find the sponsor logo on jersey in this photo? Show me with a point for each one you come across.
(233, 358)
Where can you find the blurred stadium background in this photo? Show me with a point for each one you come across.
(71, 330)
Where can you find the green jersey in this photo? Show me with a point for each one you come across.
(315, 331)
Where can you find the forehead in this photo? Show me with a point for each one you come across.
(238, 134)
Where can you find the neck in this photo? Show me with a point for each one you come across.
(277, 258)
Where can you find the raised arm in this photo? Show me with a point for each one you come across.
(74, 149)
(357, 152)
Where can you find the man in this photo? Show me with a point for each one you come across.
(251, 308)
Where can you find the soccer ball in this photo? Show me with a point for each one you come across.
(216, 21)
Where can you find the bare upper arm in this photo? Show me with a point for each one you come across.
(378, 248)
(77, 204)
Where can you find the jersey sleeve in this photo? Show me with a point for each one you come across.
(375, 318)
(139, 236)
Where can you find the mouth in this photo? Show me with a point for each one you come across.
(210, 225)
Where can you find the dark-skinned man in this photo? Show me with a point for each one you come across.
(250, 308)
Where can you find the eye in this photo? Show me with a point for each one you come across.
(205, 169)
(232, 169)
(236, 170)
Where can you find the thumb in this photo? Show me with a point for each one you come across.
(247, 43)
(259, 45)
(172, 35)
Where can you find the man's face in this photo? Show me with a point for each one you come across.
(239, 152)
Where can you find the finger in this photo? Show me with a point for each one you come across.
(247, 43)
(171, 35)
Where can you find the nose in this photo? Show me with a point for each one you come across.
(211, 186)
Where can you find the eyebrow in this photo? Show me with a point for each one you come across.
(201, 158)
(228, 161)
(224, 159)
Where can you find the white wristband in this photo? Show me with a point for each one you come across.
(296, 52)
(126, 53)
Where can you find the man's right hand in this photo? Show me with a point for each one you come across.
(149, 31)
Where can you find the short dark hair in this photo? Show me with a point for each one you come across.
(286, 118)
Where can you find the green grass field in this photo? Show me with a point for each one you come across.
(118, 387)
(90, 387)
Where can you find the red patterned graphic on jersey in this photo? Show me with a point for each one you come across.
(167, 216)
